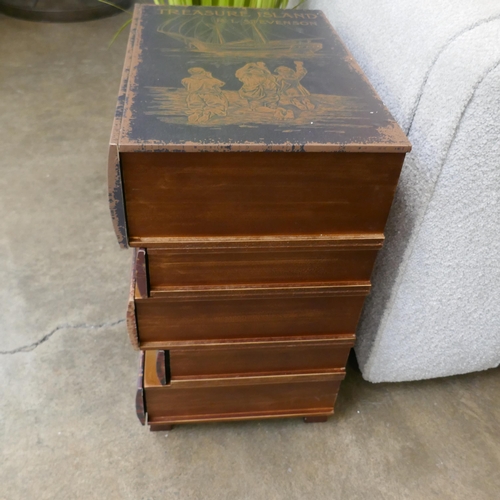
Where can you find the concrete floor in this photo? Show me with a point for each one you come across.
(68, 374)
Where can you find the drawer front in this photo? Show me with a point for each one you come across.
(170, 404)
(251, 266)
(237, 397)
(186, 195)
(262, 358)
(163, 321)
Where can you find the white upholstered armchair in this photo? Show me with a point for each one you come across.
(435, 305)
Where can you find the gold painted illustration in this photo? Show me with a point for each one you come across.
(264, 97)
(204, 96)
(222, 37)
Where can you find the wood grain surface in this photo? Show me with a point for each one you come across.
(248, 314)
(233, 397)
(279, 265)
(131, 319)
(267, 358)
(256, 194)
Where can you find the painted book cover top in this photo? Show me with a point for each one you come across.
(213, 78)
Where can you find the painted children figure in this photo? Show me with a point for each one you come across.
(261, 90)
(205, 97)
(290, 88)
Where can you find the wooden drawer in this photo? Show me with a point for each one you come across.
(173, 318)
(185, 195)
(234, 398)
(278, 262)
(231, 359)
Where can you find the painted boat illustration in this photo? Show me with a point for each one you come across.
(219, 36)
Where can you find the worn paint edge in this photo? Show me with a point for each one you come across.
(397, 142)
(159, 147)
(115, 185)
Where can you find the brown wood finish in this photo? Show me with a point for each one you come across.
(167, 423)
(140, 404)
(163, 367)
(141, 273)
(244, 397)
(131, 319)
(264, 358)
(256, 194)
(243, 314)
(217, 264)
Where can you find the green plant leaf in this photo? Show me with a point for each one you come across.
(115, 36)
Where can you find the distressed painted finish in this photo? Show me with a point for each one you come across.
(115, 188)
(252, 167)
(227, 79)
(191, 85)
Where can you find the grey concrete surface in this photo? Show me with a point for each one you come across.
(67, 373)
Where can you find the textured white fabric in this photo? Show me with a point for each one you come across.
(435, 305)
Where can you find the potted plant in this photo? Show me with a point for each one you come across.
(61, 11)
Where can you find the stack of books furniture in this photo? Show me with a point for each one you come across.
(252, 168)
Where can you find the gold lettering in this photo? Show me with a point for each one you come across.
(208, 12)
(169, 11)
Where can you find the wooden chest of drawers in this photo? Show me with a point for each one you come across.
(252, 167)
